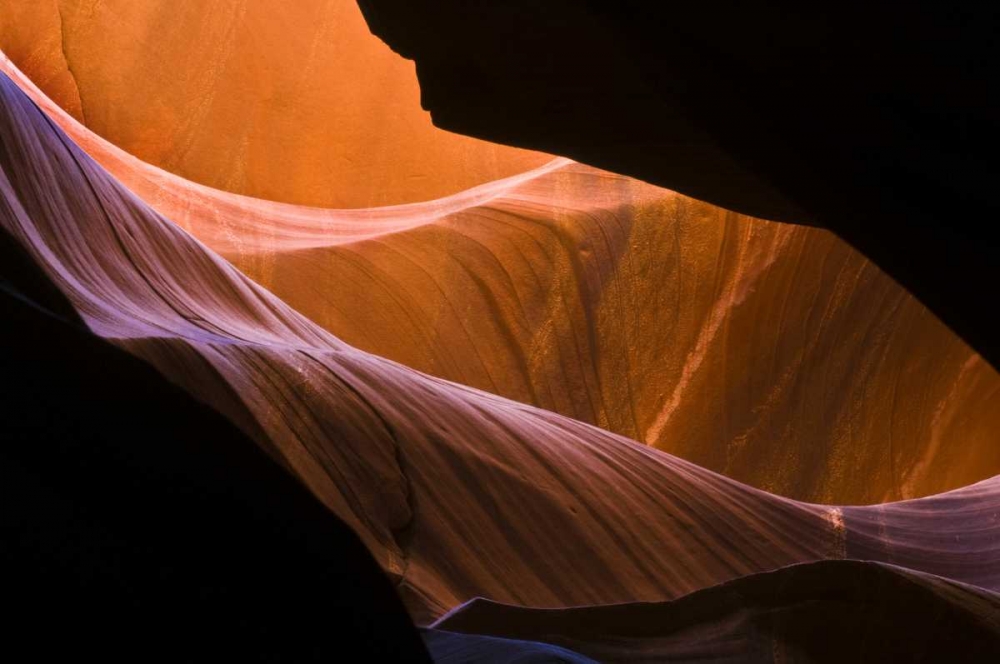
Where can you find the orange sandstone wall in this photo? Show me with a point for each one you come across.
(291, 101)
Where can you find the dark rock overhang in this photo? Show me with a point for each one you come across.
(877, 122)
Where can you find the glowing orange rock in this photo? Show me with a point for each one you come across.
(295, 102)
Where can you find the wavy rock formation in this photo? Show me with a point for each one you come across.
(237, 95)
(457, 493)
(771, 353)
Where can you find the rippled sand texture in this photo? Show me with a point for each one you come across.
(239, 95)
(771, 353)
(457, 493)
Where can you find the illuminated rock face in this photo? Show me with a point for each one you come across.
(31, 33)
(240, 96)
(457, 493)
(771, 353)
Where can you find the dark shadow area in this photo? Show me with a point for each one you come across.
(141, 525)
(877, 121)
(832, 611)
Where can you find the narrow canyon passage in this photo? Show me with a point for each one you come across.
(569, 414)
